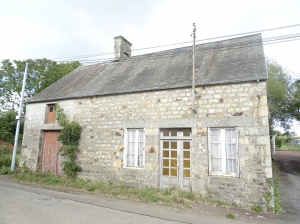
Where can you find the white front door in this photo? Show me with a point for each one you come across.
(175, 151)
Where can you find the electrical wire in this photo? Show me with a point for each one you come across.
(187, 42)
(185, 10)
(169, 53)
(179, 9)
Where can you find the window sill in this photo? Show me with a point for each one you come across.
(133, 168)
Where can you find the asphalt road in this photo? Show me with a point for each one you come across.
(290, 183)
(25, 204)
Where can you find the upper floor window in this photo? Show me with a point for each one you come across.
(134, 148)
(50, 115)
(223, 151)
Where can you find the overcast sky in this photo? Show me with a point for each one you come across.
(62, 29)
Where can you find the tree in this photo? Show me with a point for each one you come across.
(282, 93)
(295, 105)
(8, 126)
(41, 74)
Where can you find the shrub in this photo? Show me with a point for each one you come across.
(69, 136)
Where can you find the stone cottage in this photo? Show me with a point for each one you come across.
(139, 127)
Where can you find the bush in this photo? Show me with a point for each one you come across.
(5, 160)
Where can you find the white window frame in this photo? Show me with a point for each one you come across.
(224, 171)
(136, 148)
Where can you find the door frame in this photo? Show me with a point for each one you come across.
(180, 138)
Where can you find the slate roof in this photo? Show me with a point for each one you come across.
(228, 61)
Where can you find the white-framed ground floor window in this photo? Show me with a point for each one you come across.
(134, 148)
(223, 151)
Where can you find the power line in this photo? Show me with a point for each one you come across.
(179, 9)
(206, 39)
(266, 41)
(185, 10)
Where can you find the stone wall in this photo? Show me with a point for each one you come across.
(243, 106)
(35, 124)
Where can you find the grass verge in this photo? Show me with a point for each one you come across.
(171, 196)
(275, 183)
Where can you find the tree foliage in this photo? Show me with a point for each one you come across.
(41, 73)
(8, 126)
(295, 105)
(283, 97)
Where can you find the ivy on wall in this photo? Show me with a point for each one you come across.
(69, 136)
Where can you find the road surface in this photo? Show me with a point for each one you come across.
(25, 204)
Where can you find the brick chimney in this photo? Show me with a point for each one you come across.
(122, 48)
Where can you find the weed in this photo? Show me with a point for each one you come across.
(5, 160)
(4, 150)
(91, 188)
(256, 208)
(4, 170)
(167, 192)
(234, 204)
(277, 206)
(268, 197)
(230, 216)
(224, 203)
(208, 193)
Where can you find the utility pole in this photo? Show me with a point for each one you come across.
(18, 118)
(193, 77)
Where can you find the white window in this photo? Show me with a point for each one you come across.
(134, 144)
(223, 151)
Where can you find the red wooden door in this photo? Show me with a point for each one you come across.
(51, 160)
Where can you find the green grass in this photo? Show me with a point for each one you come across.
(256, 208)
(275, 184)
(230, 216)
(287, 146)
(170, 196)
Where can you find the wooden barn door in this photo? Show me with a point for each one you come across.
(51, 160)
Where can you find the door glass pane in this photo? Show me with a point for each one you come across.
(186, 155)
(174, 172)
(173, 163)
(165, 153)
(165, 145)
(166, 171)
(186, 132)
(173, 145)
(186, 145)
(173, 132)
(186, 163)
(186, 173)
(173, 154)
(165, 132)
(51, 108)
(165, 162)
